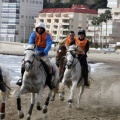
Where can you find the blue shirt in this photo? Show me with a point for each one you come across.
(40, 49)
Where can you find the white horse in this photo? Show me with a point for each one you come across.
(4, 95)
(34, 80)
(72, 73)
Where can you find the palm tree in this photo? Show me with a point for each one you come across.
(95, 23)
(101, 19)
(108, 16)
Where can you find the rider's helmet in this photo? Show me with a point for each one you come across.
(82, 31)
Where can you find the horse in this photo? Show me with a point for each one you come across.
(4, 95)
(60, 59)
(34, 80)
(72, 73)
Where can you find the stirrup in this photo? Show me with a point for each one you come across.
(19, 82)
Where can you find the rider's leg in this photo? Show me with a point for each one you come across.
(19, 82)
(84, 67)
(49, 78)
(2, 85)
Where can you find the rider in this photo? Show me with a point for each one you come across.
(68, 41)
(83, 43)
(2, 86)
(43, 42)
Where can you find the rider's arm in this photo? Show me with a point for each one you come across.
(87, 47)
(48, 43)
(72, 42)
(32, 38)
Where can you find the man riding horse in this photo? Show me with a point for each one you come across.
(83, 44)
(43, 41)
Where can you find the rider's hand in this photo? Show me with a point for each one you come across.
(42, 54)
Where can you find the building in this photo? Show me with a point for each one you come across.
(113, 3)
(17, 18)
(62, 1)
(60, 21)
(112, 32)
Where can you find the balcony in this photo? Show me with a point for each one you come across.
(50, 15)
(58, 15)
(42, 15)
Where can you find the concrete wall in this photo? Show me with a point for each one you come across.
(12, 48)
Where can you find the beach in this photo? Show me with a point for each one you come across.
(99, 102)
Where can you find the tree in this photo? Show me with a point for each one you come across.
(108, 16)
(101, 19)
(95, 23)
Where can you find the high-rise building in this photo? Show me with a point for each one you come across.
(113, 4)
(62, 1)
(17, 18)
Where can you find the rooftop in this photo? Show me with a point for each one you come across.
(74, 8)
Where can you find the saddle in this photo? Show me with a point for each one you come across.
(46, 68)
(49, 75)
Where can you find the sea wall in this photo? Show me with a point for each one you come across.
(13, 48)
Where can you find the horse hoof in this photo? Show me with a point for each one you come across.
(70, 105)
(2, 115)
(52, 99)
(62, 99)
(44, 111)
(21, 115)
(28, 118)
(39, 108)
(70, 101)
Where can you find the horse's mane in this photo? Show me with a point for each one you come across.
(62, 47)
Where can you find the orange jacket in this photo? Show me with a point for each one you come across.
(81, 45)
(68, 41)
(40, 40)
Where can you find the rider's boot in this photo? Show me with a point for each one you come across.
(86, 82)
(2, 85)
(49, 82)
(19, 82)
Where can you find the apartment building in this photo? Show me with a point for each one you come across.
(62, 1)
(17, 18)
(60, 21)
(113, 26)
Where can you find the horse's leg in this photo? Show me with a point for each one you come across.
(72, 90)
(80, 94)
(61, 90)
(31, 106)
(54, 93)
(39, 99)
(20, 113)
(47, 102)
(2, 109)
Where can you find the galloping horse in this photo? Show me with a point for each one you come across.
(60, 59)
(4, 95)
(72, 73)
(34, 80)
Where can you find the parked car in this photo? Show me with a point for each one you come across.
(109, 50)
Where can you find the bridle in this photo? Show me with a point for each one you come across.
(72, 62)
(28, 61)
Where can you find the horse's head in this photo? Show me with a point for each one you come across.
(70, 56)
(29, 57)
(61, 52)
